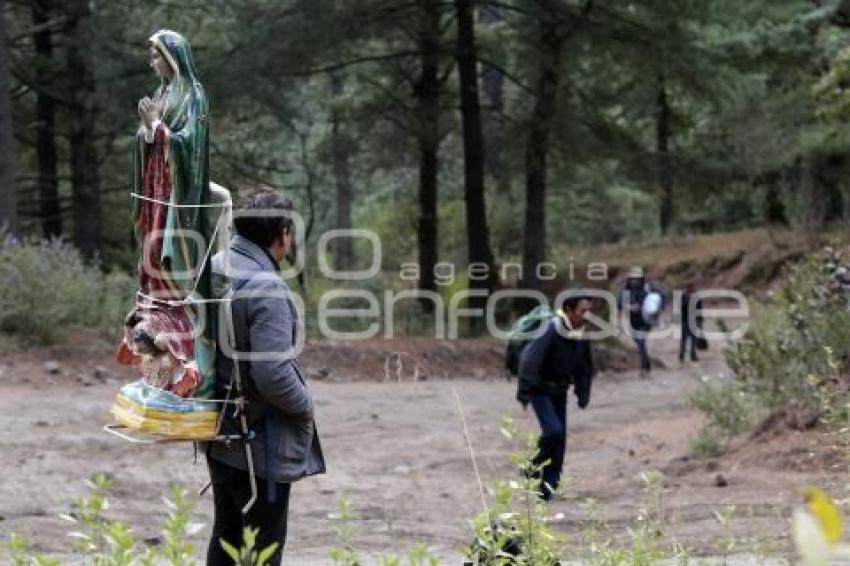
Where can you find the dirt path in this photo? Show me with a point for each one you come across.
(398, 453)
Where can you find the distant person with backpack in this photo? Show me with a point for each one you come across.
(555, 357)
(643, 302)
(691, 324)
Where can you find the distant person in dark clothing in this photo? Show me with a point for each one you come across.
(690, 322)
(633, 298)
(556, 358)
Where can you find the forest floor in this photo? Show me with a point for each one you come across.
(396, 450)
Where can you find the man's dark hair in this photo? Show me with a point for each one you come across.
(274, 216)
(571, 302)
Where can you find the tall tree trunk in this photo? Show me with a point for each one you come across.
(841, 16)
(45, 143)
(774, 210)
(493, 85)
(662, 147)
(427, 94)
(810, 189)
(537, 149)
(8, 209)
(773, 207)
(85, 178)
(492, 79)
(821, 190)
(508, 240)
(342, 176)
(477, 233)
(834, 199)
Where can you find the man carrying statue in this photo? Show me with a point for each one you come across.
(189, 340)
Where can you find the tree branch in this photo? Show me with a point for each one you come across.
(351, 63)
(507, 75)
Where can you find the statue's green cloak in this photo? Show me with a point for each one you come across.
(186, 116)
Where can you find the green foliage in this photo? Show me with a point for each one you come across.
(104, 542)
(794, 352)
(831, 90)
(20, 555)
(517, 517)
(344, 554)
(727, 542)
(646, 532)
(394, 222)
(707, 443)
(249, 555)
(175, 549)
(629, 211)
(408, 316)
(729, 409)
(46, 288)
(802, 332)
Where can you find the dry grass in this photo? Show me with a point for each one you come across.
(745, 259)
(660, 254)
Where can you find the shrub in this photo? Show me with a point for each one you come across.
(793, 338)
(794, 353)
(46, 288)
(707, 443)
(729, 409)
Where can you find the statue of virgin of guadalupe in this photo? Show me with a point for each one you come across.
(169, 334)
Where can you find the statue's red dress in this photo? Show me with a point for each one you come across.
(168, 325)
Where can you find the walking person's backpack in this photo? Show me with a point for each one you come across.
(651, 306)
(524, 331)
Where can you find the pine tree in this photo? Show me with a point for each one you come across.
(8, 209)
(46, 152)
(477, 232)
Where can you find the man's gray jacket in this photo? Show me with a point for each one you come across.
(285, 445)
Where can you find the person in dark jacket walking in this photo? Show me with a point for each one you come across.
(556, 358)
(284, 442)
(691, 313)
(632, 299)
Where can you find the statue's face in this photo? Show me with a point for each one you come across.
(158, 63)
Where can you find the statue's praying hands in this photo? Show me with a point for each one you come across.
(148, 111)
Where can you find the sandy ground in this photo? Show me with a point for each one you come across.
(398, 452)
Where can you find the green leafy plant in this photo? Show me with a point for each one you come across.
(707, 443)
(727, 542)
(249, 555)
(728, 408)
(515, 529)
(730, 411)
(344, 554)
(104, 542)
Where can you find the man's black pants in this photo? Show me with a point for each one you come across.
(551, 411)
(687, 336)
(643, 354)
(231, 491)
